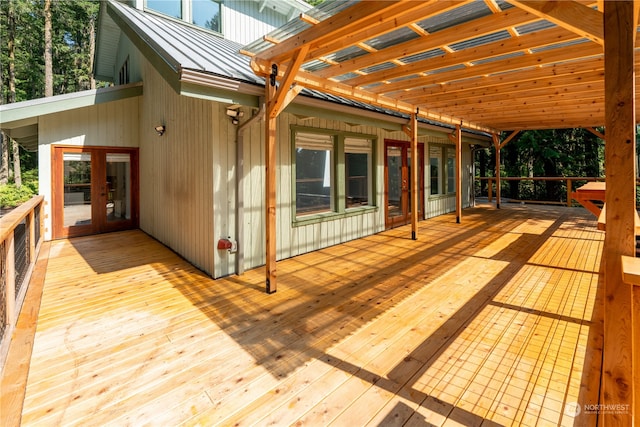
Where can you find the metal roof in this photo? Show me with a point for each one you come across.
(491, 65)
(201, 57)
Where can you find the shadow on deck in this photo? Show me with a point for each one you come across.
(489, 322)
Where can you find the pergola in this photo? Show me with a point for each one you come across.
(491, 66)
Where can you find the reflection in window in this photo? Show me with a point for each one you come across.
(451, 171)
(357, 171)
(314, 178)
(435, 160)
(206, 14)
(171, 8)
(77, 189)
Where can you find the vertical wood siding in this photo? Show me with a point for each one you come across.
(112, 124)
(297, 239)
(177, 170)
(243, 22)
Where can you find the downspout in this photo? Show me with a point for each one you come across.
(240, 186)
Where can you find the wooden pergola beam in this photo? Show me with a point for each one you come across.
(576, 17)
(620, 159)
(490, 50)
(458, 33)
(596, 133)
(499, 66)
(339, 26)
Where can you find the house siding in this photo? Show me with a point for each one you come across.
(293, 239)
(112, 124)
(243, 22)
(177, 170)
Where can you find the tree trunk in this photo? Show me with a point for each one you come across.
(4, 159)
(48, 50)
(11, 51)
(17, 175)
(11, 36)
(92, 50)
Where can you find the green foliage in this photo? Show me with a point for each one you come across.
(545, 153)
(11, 196)
(72, 25)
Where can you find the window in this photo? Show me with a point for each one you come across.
(442, 165)
(435, 160)
(333, 173)
(357, 161)
(123, 76)
(314, 177)
(171, 8)
(451, 170)
(206, 14)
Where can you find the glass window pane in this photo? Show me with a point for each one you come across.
(206, 14)
(451, 170)
(77, 189)
(314, 177)
(118, 187)
(435, 159)
(357, 171)
(168, 7)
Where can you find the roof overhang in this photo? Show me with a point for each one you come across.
(490, 66)
(20, 120)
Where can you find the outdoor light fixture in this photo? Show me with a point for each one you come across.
(160, 129)
(232, 112)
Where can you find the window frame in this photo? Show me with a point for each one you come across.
(443, 171)
(338, 190)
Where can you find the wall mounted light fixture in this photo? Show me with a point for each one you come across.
(160, 129)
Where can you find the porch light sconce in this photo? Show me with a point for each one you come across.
(235, 114)
(160, 129)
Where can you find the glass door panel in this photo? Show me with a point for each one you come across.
(95, 190)
(118, 187)
(395, 179)
(77, 189)
(398, 182)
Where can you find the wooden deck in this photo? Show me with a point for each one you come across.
(490, 322)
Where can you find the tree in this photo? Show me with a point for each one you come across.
(48, 50)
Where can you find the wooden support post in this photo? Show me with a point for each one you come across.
(490, 190)
(415, 190)
(458, 174)
(270, 188)
(569, 191)
(620, 154)
(496, 143)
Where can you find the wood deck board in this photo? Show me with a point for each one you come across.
(488, 322)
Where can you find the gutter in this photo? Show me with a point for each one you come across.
(240, 186)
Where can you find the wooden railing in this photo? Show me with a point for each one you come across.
(21, 234)
(570, 187)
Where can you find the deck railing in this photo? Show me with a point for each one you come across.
(20, 238)
(563, 195)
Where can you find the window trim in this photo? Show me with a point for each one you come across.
(338, 177)
(443, 173)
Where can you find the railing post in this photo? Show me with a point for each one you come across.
(569, 193)
(490, 190)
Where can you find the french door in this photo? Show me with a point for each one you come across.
(397, 172)
(95, 190)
